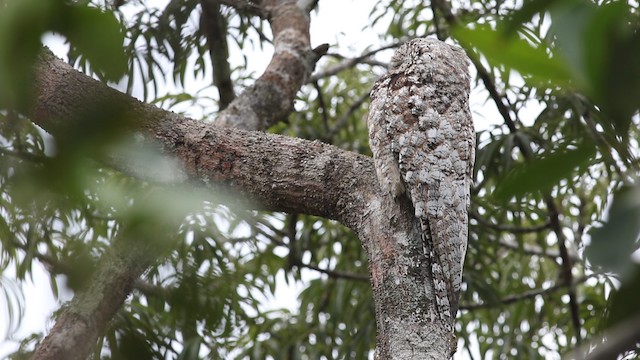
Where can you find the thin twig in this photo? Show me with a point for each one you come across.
(335, 273)
(566, 266)
(508, 228)
(322, 105)
(340, 123)
(526, 295)
(351, 62)
(436, 21)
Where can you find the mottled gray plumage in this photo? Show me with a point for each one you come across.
(422, 138)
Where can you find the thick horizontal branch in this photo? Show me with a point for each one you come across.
(274, 171)
(277, 172)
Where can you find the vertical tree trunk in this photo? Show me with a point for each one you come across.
(406, 316)
(85, 318)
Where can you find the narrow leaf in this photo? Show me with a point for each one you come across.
(612, 244)
(543, 172)
(515, 53)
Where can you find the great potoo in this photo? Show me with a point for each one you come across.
(423, 141)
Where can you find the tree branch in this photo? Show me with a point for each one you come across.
(86, 316)
(270, 98)
(323, 107)
(525, 295)
(58, 267)
(566, 266)
(349, 63)
(277, 172)
(212, 23)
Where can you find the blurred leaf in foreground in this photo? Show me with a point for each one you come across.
(613, 243)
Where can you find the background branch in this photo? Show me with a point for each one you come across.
(270, 98)
(526, 295)
(349, 63)
(214, 26)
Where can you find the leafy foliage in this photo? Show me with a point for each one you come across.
(549, 242)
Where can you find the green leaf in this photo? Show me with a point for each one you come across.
(543, 172)
(602, 50)
(515, 53)
(615, 75)
(22, 23)
(624, 304)
(99, 37)
(525, 13)
(612, 244)
(570, 23)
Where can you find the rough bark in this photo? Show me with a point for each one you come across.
(275, 172)
(402, 297)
